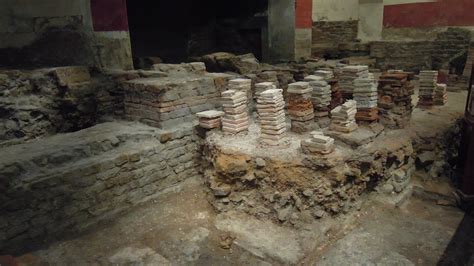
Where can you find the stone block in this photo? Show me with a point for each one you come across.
(134, 157)
(84, 181)
(3, 223)
(121, 160)
(16, 229)
(106, 174)
(69, 76)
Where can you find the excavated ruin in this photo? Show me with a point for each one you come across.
(288, 186)
(296, 186)
(80, 148)
(250, 132)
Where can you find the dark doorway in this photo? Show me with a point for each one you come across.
(178, 30)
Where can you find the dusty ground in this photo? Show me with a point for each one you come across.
(415, 234)
(181, 228)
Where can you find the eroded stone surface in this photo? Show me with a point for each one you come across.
(138, 256)
(264, 240)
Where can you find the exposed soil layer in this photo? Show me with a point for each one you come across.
(288, 186)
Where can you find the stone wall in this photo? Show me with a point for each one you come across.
(67, 183)
(325, 32)
(409, 56)
(329, 35)
(447, 51)
(38, 103)
(450, 49)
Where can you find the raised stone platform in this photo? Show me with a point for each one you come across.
(284, 184)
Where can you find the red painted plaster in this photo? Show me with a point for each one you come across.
(109, 15)
(304, 14)
(440, 13)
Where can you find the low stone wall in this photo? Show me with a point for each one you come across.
(409, 56)
(325, 32)
(335, 38)
(69, 182)
(448, 51)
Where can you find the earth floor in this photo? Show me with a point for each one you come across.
(181, 228)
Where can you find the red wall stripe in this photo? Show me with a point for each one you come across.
(109, 15)
(304, 14)
(440, 13)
